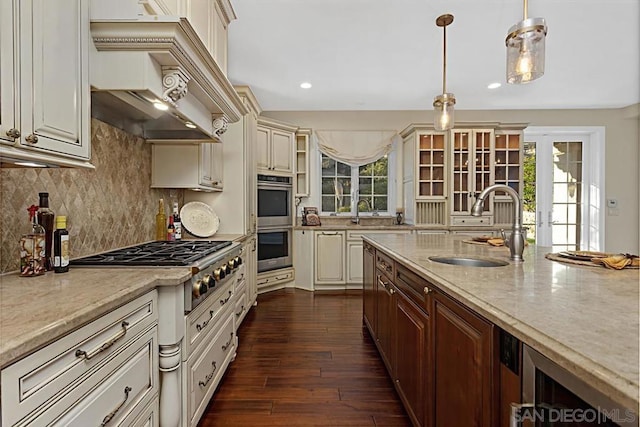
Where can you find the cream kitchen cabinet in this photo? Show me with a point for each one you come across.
(330, 259)
(275, 146)
(45, 101)
(444, 171)
(301, 178)
(250, 259)
(107, 368)
(196, 166)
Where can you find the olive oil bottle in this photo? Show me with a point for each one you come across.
(161, 222)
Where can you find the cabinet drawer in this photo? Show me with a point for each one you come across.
(242, 306)
(122, 390)
(240, 276)
(413, 286)
(205, 368)
(385, 264)
(203, 319)
(472, 220)
(150, 416)
(274, 278)
(62, 365)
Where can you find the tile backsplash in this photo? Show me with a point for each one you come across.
(106, 208)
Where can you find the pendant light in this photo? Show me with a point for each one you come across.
(443, 104)
(525, 49)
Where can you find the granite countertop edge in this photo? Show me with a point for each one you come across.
(619, 388)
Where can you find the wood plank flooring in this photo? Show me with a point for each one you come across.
(304, 359)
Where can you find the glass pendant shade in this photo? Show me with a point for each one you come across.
(444, 112)
(525, 51)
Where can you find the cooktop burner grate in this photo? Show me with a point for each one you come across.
(159, 253)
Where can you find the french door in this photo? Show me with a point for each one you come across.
(562, 179)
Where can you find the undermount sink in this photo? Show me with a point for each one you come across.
(469, 261)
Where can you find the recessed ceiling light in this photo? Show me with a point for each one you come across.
(160, 106)
(190, 125)
(305, 85)
(494, 85)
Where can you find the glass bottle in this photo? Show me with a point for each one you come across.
(161, 222)
(177, 222)
(61, 246)
(45, 219)
(32, 247)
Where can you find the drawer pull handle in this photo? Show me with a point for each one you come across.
(281, 278)
(113, 413)
(209, 375)
(228, 343)
(32, 139)
(105, 345)
(241, 278)
(226, 300)
(206, 322)
(240, 312)
(13, 133)
(324, 233)
(383, 265)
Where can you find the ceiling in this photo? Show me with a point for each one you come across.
(387, 54)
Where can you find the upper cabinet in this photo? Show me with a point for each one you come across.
(275, 145)
(445, 171)
(44, 85)
(196, 166)
(302, 162)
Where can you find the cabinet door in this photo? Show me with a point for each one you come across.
(8, 75)
(472, 154)
(369, 288)
(282, 148)
(330, 257)
(385, 320)
(354, 262)
(210, 158)
(463, 366)
(412, 359)
(263, 138)
(54, 36)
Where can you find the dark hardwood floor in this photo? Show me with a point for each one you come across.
(305, 360)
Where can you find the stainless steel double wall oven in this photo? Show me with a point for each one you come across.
(275, 222)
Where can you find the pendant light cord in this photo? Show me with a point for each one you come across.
(526, 10)
(444, 62)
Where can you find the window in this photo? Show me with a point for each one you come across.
(339, 181)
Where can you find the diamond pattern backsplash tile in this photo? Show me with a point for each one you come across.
(106, 208)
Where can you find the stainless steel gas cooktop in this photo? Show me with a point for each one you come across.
(159, 253)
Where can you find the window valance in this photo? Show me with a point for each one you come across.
(354, 147)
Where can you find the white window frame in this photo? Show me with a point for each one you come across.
(392, 167)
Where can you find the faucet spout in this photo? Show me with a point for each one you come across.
(516, 240)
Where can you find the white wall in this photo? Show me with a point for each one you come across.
(622, 152)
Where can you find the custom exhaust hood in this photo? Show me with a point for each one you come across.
(156, 79)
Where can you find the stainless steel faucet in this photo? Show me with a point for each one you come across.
(516, 240)
(356, 219)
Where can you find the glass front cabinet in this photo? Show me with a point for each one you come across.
(445, 171)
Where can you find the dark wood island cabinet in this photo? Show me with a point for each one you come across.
(441, 355)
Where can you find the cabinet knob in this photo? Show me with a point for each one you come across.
(32, 139)
(426, 290)
(13, 133)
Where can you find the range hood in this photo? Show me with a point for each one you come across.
(137, 66)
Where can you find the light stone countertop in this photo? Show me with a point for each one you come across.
(585, 319)
(35, 311)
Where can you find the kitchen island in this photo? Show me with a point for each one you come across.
(585, 319)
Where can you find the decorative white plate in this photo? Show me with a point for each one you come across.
(199, 219)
